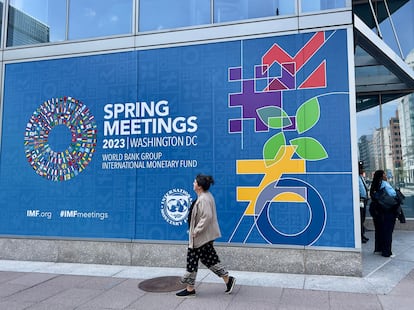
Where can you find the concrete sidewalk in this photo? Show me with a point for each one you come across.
(387, 283)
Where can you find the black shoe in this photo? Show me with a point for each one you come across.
(185, 293)
(388, 254)
(230, 285)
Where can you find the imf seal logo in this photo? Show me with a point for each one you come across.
(175, 206)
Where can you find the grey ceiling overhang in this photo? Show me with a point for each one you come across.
(380, 74)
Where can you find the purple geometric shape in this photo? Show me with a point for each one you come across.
(250, 101)
(261, 72)
(288, 79)
(276, 84)
(293, 124)
(235, 74)
(291, 67)
(235, 125)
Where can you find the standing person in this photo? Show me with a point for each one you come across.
(384, 219)
(363, 199)
(203, 230)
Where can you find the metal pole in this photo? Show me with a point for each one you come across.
(393, 29)
(375, 19)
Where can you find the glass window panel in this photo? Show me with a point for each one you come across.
(231, 10)
(314, 5)
(1, 18)
(374, 136)
(98, 18)
(405, 172)
(167, 14)
(402, 164)
(369, 136)
(36, 21)
(403, 20)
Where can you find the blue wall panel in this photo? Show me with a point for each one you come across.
(107, 146)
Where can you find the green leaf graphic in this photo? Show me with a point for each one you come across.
(274, 117)
(273, 149)
(309, 148)
(307, 115)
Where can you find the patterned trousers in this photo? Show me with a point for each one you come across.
(208, 257)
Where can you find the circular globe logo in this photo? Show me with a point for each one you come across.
(60, 138)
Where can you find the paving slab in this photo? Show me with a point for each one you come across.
(387, 283)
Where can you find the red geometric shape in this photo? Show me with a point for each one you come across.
(309, 49)
(279, 55)
(275, 85)
(317, 78)
(290, 67)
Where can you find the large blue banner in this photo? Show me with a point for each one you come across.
(108, 146)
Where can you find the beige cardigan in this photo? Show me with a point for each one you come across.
(203, 221)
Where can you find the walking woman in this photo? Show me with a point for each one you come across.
(203, 230)
(383, 218)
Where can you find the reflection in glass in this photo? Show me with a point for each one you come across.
(406, 114)
(167, 14)
(314, 5)
(402, 20)
(375, 122)
(98, 18)
(36, 21)
(231, 10)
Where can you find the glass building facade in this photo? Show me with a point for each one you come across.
(386, 154)
(66, 20)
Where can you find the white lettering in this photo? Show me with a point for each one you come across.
(137, 109)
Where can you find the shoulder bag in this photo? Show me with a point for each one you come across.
(386, 201)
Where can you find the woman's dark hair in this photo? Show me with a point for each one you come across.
(204, 181)
(376, 182)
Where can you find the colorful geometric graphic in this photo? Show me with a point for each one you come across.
(292, 65)
(60, 165)
(251, 101)
(281, 156)
(288, 190)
